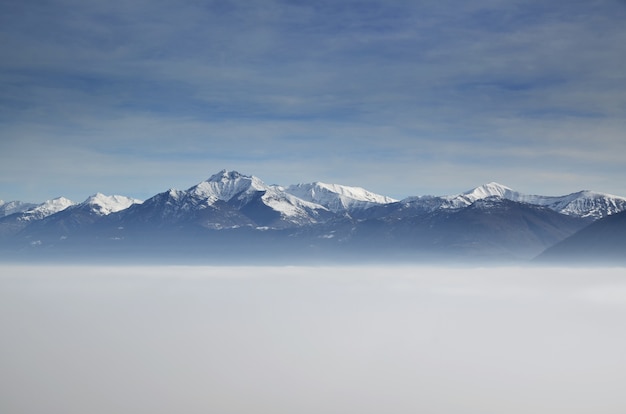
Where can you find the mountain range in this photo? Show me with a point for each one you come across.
(237, 218)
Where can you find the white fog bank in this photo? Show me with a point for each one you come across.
(311, 340)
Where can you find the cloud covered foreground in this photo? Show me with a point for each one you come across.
(311, 340)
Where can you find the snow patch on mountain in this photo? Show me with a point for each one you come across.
(290, 207)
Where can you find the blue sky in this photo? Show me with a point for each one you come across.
(400, 97)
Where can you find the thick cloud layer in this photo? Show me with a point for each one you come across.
(311, 340)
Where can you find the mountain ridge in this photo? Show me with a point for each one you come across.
(226, 184)
(230, 210)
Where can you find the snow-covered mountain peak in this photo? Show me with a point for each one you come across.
(57, 204)
(587, 204)
(105, 205)
(228, 178)
(489, 190)
(337, 197)
(226, 175)
(580, 204)
(227, 184)
(47, 208)
(12, 207)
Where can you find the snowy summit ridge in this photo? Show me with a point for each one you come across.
(226, 185)
(12, 207)
(491, 189)
(47, 208)
(587, 204)
(243, 190)
(337, 197)
(104, 205)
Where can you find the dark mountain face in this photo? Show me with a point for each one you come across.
(487, 229)
(174, 209)
(78, 219)
(602, 242)
(11, 225)
(516, 229)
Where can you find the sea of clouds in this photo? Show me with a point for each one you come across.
(309, 340)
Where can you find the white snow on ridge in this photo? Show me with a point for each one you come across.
(490, 190)
(229, 185)
(290, 206)
(226, 185)
(105, 205)
(12, 207)
(588, 204)
(301, 203)
(337, 197)
(47, 208)
(580, 204)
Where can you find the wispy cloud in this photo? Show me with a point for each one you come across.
(338, 89)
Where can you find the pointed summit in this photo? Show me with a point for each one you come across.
(265, 204)
(226, 175)
(227, 184)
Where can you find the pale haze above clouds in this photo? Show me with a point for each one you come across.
(402, 98)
